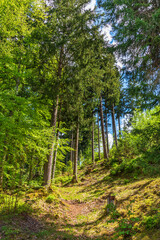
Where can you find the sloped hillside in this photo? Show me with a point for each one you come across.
(80, 211)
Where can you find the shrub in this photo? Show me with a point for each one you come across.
(13, 204)
(126, 226)
(151, 222)
(63, 179)
(50, 199)
(138, 151)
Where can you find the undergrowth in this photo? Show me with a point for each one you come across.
(138, 151)
(13, 204)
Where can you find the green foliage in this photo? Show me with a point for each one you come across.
(50, 198)
(151, 222)
(12, 204)
(36, 183)
(136, 32)
(8, 203)
(63, 179)
(114, 214)
(136, 29)
(138, 151)
(68, 168)
(125, 228)
(9, 231)
(45, 52)
(24, 131)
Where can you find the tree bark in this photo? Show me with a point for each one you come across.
(74, 180)
(119, 124)
(114, 125)
(99, 148)
(106, 126)
(73, 151)
(93, 159)
(72, 146)
(102, 129)
(48, 164)
(157, 3)
(56, 147)
(55, 155)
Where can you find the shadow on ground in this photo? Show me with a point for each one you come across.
(27, 226)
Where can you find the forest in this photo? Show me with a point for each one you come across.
(79, 119)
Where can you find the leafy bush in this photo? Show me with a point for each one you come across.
(126, 226)
(63, 179)
(50, 199)
(151, 222)
(139, 150)
(114, 214)
(13, 204)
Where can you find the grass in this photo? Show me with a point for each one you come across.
(80, 211)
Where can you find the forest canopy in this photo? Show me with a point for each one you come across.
(59, 82)
(79, 136)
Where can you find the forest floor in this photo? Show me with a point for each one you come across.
(80, 211)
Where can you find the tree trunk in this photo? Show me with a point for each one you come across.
(157, 3)
(106, 126)
(56, 147)
(99, 148)
(93, 159)
(114, 125)
(119, 124)
(71, 153)
(55, 155)
(48, 164)
(102, 129)
(74, 180)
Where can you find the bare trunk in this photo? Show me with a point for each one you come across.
(55, 156)
(102, 129)
(157, 3)
(74, 180)
(106, 127)
(56, 147)
(119, 124)
(71, 153)
(48, 164)
(93, 159)
(99, 149)
(114, 125)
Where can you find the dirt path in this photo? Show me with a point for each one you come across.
(80, 211)
(76, 209)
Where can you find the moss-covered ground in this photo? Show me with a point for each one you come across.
(80, 211)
